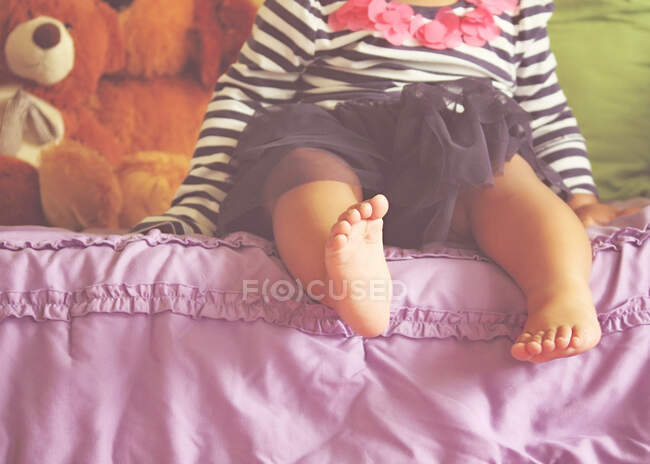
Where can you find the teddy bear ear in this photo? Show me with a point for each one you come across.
(208, 39)
(116, 58)
(234, 21)
(5, 11)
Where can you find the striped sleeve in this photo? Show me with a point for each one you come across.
(281, 44)
(556, 136)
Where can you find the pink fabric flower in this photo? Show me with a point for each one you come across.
(442, 32)
(496, 7)
(353, 15)
(393, 19)
(398, 23)
(478, 27)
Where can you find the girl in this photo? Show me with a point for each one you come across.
(447, 110)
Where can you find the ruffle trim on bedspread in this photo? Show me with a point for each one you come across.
(629, 235)
(153, 238)
(234, 240)
(414, 322)
(154, 298)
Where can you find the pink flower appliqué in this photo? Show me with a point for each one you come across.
(393, 19)
(441, 33)
(478, 27)
(398, 23)
(495, 7)
(353, 15)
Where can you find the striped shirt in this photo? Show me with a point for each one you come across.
(293, 55)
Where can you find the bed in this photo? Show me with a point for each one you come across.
(126, 348)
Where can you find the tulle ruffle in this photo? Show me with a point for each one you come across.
(421, 147)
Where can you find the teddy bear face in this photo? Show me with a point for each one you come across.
(40, 49)
(61, 45)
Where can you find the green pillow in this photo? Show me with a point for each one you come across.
(603, 53)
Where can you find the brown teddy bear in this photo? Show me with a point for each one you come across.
(108, 114)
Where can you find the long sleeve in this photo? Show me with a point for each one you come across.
(281, 44)
(556, 136)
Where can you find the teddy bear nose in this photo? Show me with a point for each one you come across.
(119, 4)
(46, 36)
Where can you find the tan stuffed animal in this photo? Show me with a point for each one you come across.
(131, 106)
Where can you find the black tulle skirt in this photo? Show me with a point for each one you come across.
(420, 147)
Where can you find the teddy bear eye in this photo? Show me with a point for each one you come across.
(68, 26)
(30, 15)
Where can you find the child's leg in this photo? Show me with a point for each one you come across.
(541, 243)
(324, 233)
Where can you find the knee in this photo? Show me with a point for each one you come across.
(313, 162)
(518, 180)
(517, 176)
(303, 165)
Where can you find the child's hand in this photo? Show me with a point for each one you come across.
(591, 212)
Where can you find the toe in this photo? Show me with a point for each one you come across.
(352, 215)
(341, 227)
(336, 242)
(548, 341)
(563, 337)
(534, 345)
(379, 205)
(518, 350)
(578, 337)
(365, 210)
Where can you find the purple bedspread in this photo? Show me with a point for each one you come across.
(139, 349)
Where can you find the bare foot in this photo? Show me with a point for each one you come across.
(563, 325)
(356, 267)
